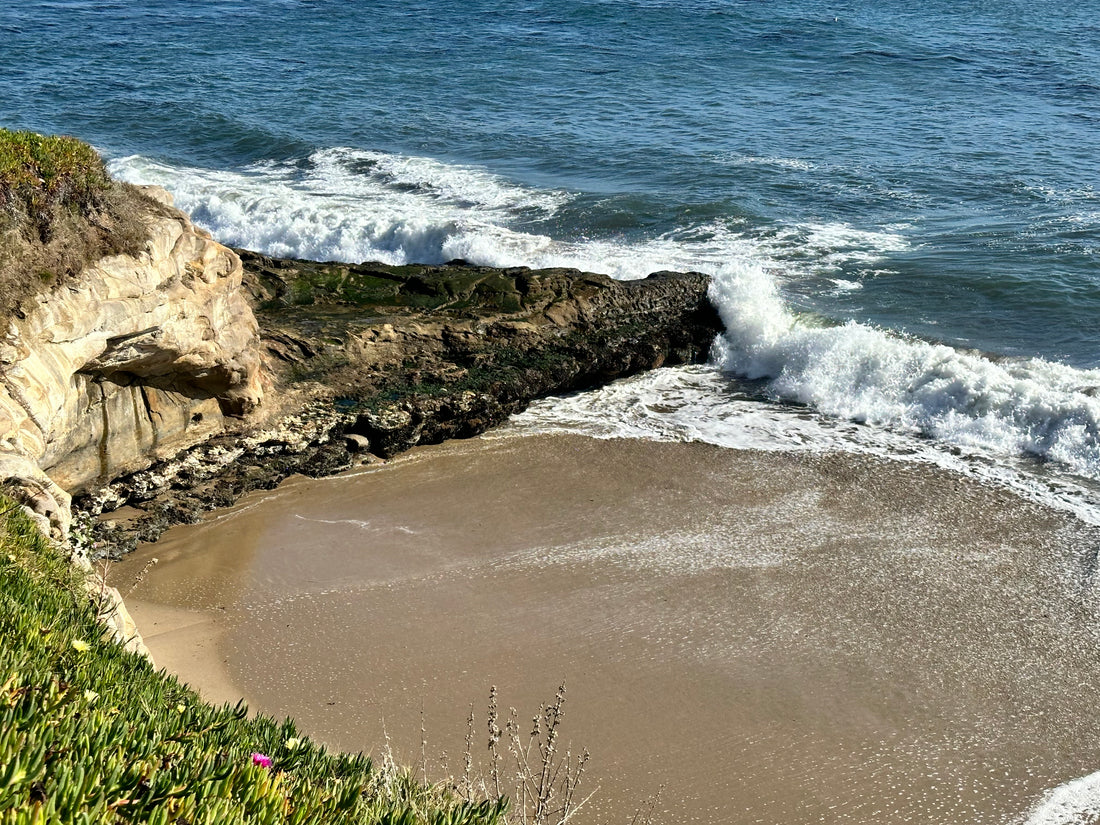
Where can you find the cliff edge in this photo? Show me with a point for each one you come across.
(136, 358)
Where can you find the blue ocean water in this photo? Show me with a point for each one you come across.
(899, 202)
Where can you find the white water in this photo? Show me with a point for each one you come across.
(1076, 802)
(1029, 424)
(863, 374)
(356, 205)
(353, 205)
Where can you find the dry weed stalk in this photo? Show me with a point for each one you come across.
(468, 766)
(423, 748)
(149, 565)
(546, 780)
(103, 604)
(494, 740)
(644, 816)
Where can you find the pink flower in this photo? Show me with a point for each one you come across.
(261, 760)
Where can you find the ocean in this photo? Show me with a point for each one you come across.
(898, 203)
(899, 206)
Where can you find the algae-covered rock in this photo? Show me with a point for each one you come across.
(424, 353)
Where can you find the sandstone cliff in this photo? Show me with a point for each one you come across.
(139, 357)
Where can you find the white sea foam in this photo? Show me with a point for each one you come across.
(862, 373)
(767, 160)
(672, 553)
(843, 285)
(924, 401)
(701, 404)
(825, 248)
(362, 525)
(354, 205)
(1075, 803)
(1084, 219)
(1063, 195)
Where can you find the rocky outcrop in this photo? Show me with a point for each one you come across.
(122, 385)
(376, 359)
(419, 354)
(137, 358)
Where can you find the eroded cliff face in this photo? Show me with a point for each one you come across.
(138, 358)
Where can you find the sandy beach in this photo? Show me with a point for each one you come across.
(769, 637)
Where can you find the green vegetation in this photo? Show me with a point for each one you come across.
(59, 210)
(38, 172)
(91, 734)
(414, 286)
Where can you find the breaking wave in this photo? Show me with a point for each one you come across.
(356, 205)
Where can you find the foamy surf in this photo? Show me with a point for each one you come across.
(1074, 803)
(916, 398)
(354, 205)
(1027, 423)
(861, 373)
(703, 404)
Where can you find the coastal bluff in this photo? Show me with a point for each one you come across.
(138, 357)
(180, 378)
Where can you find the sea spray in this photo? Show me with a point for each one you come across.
(858, 372)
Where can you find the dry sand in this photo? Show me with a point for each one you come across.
(780, 638)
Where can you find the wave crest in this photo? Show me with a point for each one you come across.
(355, 205)
(861, 373)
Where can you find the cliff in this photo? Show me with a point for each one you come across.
(140, 379)
(138, 357)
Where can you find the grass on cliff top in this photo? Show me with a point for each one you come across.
(59, 210)
(92, 734)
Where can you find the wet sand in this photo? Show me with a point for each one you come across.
(779, 638)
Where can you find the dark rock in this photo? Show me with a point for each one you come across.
(356, 443)
(388, 357)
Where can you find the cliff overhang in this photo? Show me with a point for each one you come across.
(135, 358)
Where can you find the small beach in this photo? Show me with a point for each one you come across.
(774, 637)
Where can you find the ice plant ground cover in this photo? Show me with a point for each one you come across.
(92, 734)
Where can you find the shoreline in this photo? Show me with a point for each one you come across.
(188, 642)
(709, 610)
(368, 360)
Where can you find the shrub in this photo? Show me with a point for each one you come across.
(59, 210)
(38, 173)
